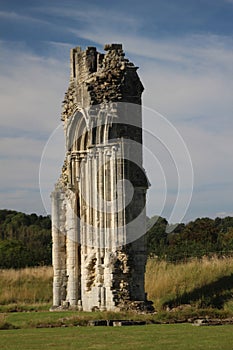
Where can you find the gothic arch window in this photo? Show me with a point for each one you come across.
(80, 135)
(77, 136)
(102, 130)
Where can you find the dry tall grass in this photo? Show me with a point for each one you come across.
(167, 281)
(29, 285)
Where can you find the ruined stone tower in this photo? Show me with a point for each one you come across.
(98, 204)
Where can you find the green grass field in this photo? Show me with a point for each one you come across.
(182, 336)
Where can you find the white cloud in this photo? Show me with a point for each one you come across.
(211, 155)
(184, 94)
(32, 90)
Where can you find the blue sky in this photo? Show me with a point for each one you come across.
(184, 51)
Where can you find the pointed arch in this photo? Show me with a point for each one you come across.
(77, 135)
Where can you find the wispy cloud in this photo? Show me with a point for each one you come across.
(104, 26)
(92, 15)
(14, 16)
(204, 50)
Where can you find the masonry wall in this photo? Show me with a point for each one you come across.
(97, 222)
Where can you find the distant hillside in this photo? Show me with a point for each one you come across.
(25, 240)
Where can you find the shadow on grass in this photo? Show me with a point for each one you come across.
(214, 294)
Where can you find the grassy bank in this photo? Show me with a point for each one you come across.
(203, 284)
(29, 287)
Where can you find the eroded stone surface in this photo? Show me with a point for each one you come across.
(98, 246)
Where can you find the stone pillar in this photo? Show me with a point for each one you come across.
(59, 251)
(89, 200)
(121, 229)
(72, 250)
(113, 176)
(101, 245)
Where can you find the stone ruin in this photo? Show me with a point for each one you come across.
(98, 204)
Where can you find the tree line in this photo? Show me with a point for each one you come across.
(201, 237)
(25, 239)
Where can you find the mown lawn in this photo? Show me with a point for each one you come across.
(181, 336)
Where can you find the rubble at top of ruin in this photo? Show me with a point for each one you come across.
(98, 78)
